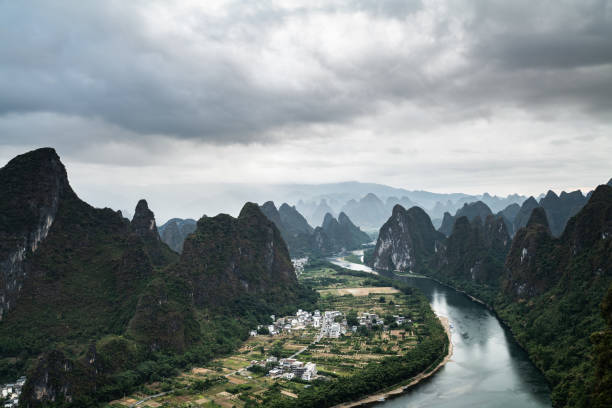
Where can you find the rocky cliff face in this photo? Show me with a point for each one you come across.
(32, 186)
(469, 210)
(143, 222)
(58, 380)
(174, 232)
(407, 241)
(537, 260)
(144, 226)
(70, 274)
(230, 257)
(529, 275)
(474, 252)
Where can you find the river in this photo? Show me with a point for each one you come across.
(487, 368)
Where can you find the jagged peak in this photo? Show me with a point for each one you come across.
(142, 211)
(610, 182)
(250, 210)
(41, 154)
(143, 222)
(550, 195)
(269, 205)
(479, 204)
(417, 211)
(371, 196)
(344, 219)
(531, 202)
(538, 217)
(327, 220)
(42, 162)
(142, 206)
(398, 209)
(572, 194)
(285, 207)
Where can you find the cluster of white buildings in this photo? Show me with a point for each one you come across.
(332, 328)
(300, 321)
(328, 323)
(372, 319)
(290, 368)
(11, 392)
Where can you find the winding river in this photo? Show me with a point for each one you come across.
(487, 368)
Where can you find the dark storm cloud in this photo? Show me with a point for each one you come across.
(239, 75)
(543, 35)
(96, 61)
(546, 54)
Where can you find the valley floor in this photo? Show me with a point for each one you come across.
(412, 382)
(241, 379)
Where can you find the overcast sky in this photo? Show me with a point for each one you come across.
(448, 96)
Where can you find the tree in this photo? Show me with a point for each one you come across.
(351, 318)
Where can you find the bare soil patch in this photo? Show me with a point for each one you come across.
(361, 291)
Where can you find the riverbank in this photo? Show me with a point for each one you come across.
(491, 309)
(374, 398)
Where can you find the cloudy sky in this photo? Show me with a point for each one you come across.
(471, 96)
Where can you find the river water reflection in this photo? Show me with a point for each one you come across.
(487, 369)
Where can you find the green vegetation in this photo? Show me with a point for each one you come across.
(107, 307)
(549, 293)
(354, 364)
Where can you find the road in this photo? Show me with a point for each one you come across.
(318, 338)
(161, 394)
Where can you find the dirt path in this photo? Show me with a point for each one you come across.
(400, 390)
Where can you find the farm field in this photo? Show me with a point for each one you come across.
(358, 291)
(232, 381)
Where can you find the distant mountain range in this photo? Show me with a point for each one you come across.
(334, 234)
(371, 210)
(557, 209)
